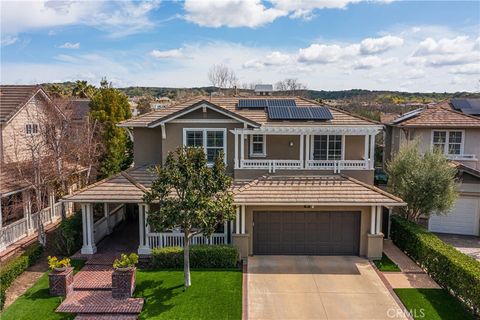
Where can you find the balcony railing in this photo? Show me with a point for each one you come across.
(464, 157)
(335, 165)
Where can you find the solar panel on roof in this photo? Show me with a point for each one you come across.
(467, 106)
(264, 103)
(299, 113)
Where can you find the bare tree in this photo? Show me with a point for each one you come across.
(290, 86)
(221, 76)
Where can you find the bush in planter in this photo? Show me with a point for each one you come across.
(450, 268)
(201, 256)
(68, 237)
(16, 266)
(55, 263)
(126, 261)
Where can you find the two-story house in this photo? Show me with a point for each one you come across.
(23, 109)
(458, 136)
(303, 176)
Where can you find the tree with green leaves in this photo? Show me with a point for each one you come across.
(144, 104)
(83, 90)
(192, 197)
(109, 106)
(425, 181)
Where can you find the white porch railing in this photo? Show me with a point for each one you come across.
(337, 165)
(105, 225)
(271, 165)
(465, 157)
(176, 239)
(19, 229)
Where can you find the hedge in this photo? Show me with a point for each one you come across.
(68, 237)
(15, 267)
(201, 256)
(451, 269)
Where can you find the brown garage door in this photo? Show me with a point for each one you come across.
(306, 233)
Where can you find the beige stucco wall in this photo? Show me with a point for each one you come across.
(364, 220)
(15, 143)
(147, 146)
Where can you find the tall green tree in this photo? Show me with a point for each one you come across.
(82, 89)
(192, 197)
(426, 182)
(109, 106)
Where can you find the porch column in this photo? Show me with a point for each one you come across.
(27, 210)
(302, 165)
(365, 152)
(242, 148)
(343, 147)
(379, 219)
(237, 221)
(307, 150)
(143, 247)
(235, 137)
(243, 219)
(88, 235)
(2, 245)
(372, 151)
(107, 218)
(372, 219)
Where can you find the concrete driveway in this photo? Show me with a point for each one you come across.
(309, 287)
(469, 245)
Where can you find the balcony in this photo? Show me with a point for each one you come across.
(335, 165)
(462, 157)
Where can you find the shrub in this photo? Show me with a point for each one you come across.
(15, 267)
(453, 270)
(68, 238)
(126, 261)
(54, 262)
(201, 256)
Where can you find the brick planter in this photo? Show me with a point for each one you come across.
(61, 282)
(123, 284)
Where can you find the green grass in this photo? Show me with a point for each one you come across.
(386, 265)
(214, 294)
(37, 303)
(432, 304)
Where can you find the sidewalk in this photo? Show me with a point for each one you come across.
(411, 276)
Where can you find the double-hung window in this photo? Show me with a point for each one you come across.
(257, 145)
(327, 147)
(31, 128)
(449, 142)
(213, 141)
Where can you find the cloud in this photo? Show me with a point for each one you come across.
(304, 8)
(230, 13)
(326, 53)
(371, 62)
(415, 74)
(69, 45)
(431, 46)
(8, 40)
(117, 18)
(452, 59)
(379, 45)
(167, 54)
(468, 69)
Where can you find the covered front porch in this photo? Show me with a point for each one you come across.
(119, 200)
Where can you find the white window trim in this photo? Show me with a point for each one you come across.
(264, 147)
(204, 130)
(342, 148)
(447, 141)
(32, 133)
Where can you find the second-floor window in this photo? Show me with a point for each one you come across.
(213, 141)
(31, 128)
(327, 147)
(449, 142)
(257, 145)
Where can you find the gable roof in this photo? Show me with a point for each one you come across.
(13, 98)
(257, 116)
(439, 116)
(263, 88)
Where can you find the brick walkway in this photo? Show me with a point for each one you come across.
(411, 276)
(92, 286)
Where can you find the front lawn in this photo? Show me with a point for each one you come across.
(386, 265)
(214, 294)
(432, 304)
(37, 303)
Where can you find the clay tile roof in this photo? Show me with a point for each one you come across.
(128, 186)
(259, 116)
(441, 116)
(13, 97)
(311, 190)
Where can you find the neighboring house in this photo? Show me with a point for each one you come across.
(466, 105)
(303, 176)
(21, 111)
(458, 136)
(161, 102)
(263, 89)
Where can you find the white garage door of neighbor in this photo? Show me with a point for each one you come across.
(463, 219)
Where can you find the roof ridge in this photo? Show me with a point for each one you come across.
(251, 183)
(373, 188)
(133, 181)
